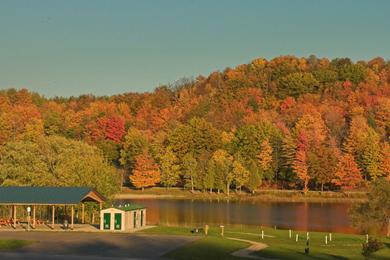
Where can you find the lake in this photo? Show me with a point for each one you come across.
(295, 215)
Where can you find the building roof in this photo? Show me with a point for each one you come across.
(48, 195)
(130, 207)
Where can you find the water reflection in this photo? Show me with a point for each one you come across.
(298, 215)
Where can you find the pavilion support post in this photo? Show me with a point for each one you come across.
(82, 213)
(100, 205)
(14, 216)
(72, 218)
(66, 213)
(34, 218)
(52, 216)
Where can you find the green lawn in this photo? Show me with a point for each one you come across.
(12, 244)
(280, 246)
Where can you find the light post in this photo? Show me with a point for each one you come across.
(28, 218)
(222, 229)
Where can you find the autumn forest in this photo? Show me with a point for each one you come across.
(286, 123)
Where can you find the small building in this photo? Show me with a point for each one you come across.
(129, 217)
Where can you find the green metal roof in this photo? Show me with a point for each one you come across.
(130, 207)
(43, 195)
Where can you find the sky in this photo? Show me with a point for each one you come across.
(73, 47)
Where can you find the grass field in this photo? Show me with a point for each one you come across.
(12, 244)
(280, 246)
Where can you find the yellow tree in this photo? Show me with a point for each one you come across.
(265, 155)
(223, 165)
(240, 174)
(385, 161)
(363, 143)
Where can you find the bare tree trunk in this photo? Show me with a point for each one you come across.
(192, 184)
(305, 188)
(228, 188)
(388, 226)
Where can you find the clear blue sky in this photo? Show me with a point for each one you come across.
(71, 47)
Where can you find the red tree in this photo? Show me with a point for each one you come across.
(347, 175)
(300, 164)
(146, 172)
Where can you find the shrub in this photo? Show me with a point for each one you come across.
(372, 246)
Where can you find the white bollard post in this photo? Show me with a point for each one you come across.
(289, 233)
(366, 238)
(262, 234)
(296, 238)
(326, 240)
(330, 236)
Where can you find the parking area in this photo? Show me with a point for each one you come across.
(75, 245)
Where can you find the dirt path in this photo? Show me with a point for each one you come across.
(248, 251)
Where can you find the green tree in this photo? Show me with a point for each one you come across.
(201, 170)
(196, 137)
(372, 216)
(134, 144)
(255, 178)
(170, 168)
(223, 165)
(296, 84)
(57, 161)
(353, 72)
(248, 140)
(210, 179)
(189, 165)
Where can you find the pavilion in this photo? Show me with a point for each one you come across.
(48, 196)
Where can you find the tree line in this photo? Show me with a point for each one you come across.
(290, 122)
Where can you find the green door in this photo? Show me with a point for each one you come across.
(135, 219)
(106, 220)
(118, 221)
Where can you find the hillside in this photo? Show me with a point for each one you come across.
(290, 122)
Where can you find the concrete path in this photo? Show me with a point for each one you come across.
(248, 251)
(101, 246)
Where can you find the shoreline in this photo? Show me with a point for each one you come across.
(261, 196)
